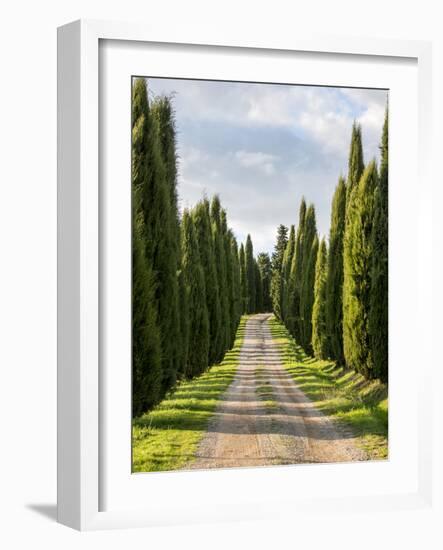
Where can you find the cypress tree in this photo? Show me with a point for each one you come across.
(194, 281)
(264, 266)
(319, 333)
(334, 277)
(243, 284)
(309, 259)
(286, 271)
(220, 260)
(357, 262)
(277, 262)
(202, 224)
(293, 320)
(229, 282)
(236, 284)
(163, 113)
(146, 350)
(149, 173)
(258, 289)
(356, 163)
(378, 314)
(250, 276)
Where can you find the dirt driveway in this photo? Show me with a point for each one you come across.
(265, 419)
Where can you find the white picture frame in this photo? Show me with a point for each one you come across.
(81, 413)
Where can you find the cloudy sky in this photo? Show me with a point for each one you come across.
(262, 147)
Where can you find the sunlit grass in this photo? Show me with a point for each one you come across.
(265, 391)
(341, 394)
(167, 437)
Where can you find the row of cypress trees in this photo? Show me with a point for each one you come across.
(191, 283)
(333, 297)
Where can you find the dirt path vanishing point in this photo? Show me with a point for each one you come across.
(247, 430)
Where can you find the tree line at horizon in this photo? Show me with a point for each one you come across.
(191, 282)
(333, 297)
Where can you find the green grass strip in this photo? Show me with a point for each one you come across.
(167, 437)
(344, 395)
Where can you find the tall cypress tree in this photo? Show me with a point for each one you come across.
(194, 280)
(378, 313)
(293, 320)
(250, 276)
(357, 261)
(277, 262)
(258, 289)
(334, 277)
(229, 281)
(243, 284)
(319, 332)
(202, 224)
(146, 345)
(309, 259)
(264, 265)
(286, 271)
(220, 260)
(356, 162)
(163, 113)
(235, 283)
(159, 214)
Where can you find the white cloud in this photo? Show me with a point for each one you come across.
(262, 161)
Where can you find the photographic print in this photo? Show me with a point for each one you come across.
(259, 274)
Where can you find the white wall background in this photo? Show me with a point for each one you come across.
(28, 264)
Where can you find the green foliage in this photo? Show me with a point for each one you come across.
(378, 313)
(277, 262)
(243, 284)
(293, 319)
(219, 251)
(146, 350)
(334, 277)
(203, 231)
(265, 268)
(356, 163)
(309, 259)
(194, 281)
(250, 276)
(258, 289)
(357, 260)
(237, 305)
(319, 332)
(286, 272)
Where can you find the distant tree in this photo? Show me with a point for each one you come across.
(378, 313)
(357, 261)
(250, 276)
(264, 266)
(334, 277)
(229, 280)
(319, 332)
(194, 280)
(203, 231)
(277, 262)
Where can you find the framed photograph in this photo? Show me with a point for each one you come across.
(238, 229)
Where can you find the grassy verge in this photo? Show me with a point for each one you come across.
(341, 394)
(167, 437)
